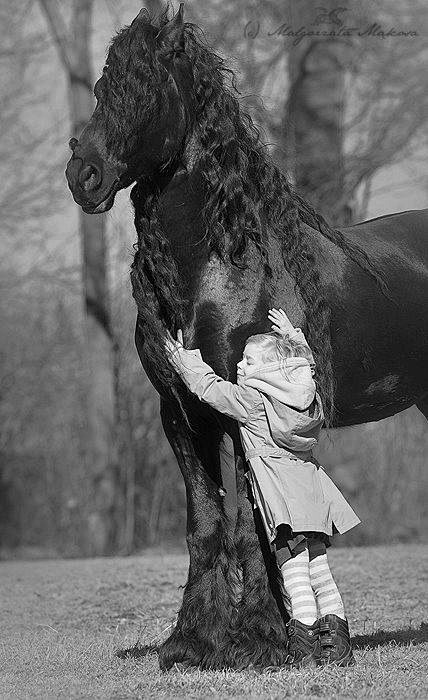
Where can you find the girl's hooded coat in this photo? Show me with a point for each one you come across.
(280, 416)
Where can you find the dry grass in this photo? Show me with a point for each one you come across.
(63, 621)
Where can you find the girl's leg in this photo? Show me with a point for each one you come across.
(335, 641)
(328, 598)
(292, 557)
(291, 553)
(297, 584)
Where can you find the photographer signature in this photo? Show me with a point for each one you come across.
(336, 28)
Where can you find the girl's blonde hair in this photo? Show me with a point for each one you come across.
(276, 347)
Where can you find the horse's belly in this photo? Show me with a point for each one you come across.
(362, 398)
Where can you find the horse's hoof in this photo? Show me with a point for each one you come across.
(272, 669)
(181, 667)
(267, 669)
(176, 652)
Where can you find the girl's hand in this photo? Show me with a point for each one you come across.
(280, 322)
(171, 345)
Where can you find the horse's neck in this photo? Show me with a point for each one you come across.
(180, 205)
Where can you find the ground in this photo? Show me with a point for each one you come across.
(62, 623)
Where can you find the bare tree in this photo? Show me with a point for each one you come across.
(355, 104)
(313, 125)
(74, 50)
(335, 111)
(29, 164)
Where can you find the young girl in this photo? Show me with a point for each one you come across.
(280, 416)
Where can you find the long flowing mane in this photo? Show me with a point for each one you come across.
(249, 198)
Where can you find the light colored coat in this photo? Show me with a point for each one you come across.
(280, 417)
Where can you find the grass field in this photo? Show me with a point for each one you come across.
(63, 621)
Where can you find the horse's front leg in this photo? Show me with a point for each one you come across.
(202, 634)
(260, 636)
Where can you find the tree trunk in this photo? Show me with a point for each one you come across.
(313, 122)
(98, 531)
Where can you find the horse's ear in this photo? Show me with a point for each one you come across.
(143, 15)
(172, 34)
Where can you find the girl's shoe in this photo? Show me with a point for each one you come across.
(335, 642)
(303, 644)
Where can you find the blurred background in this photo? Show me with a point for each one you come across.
(85, 468)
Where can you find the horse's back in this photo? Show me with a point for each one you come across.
(388, 336)
(398, 245)
(401, 235)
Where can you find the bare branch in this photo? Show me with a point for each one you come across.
(59, 32)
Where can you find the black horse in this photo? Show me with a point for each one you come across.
(221, 238)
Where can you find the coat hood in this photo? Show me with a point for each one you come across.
(293, 407)
(288, 381)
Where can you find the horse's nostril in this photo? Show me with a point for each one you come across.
(73, 143)
(89, 177)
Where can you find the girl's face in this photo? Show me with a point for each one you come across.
(251, 360)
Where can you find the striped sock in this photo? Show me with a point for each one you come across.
(297, 584)
(327, 595)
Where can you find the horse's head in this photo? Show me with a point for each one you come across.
(143, 113)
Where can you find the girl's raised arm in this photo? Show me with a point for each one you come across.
(282, 325)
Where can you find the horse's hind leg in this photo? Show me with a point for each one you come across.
(202, 634)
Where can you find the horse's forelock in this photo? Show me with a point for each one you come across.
(140, 34)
